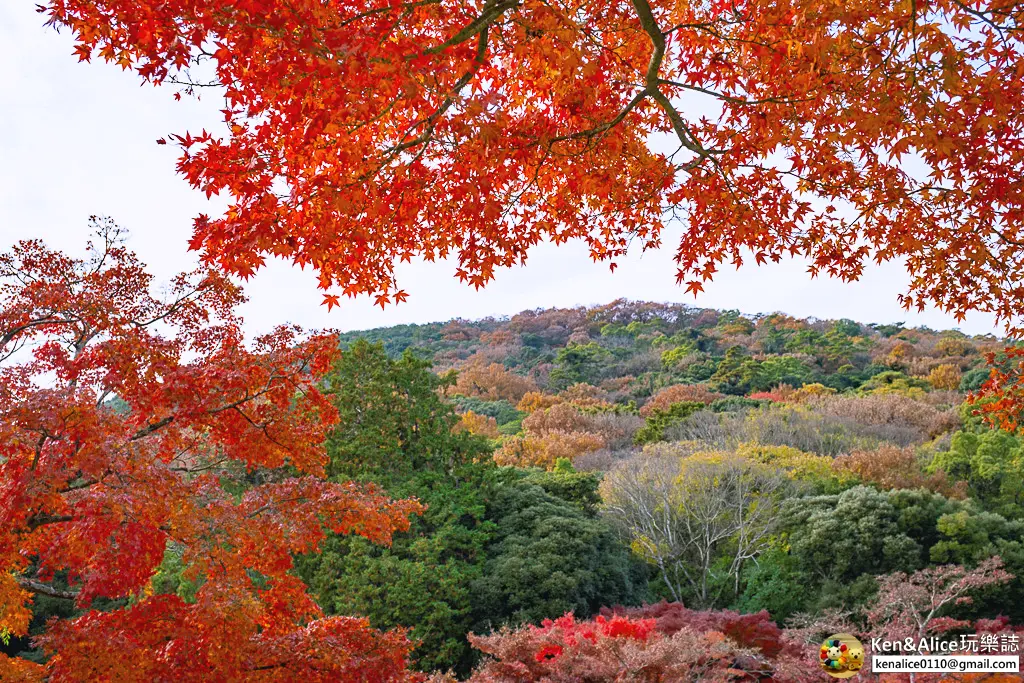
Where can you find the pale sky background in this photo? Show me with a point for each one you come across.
(80, 139)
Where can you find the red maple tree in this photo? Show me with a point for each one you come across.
(130, 424)
(367, 132)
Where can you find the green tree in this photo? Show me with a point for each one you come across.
(974, 378)
(992, 463)
(736, 404)
(729, 376)
(661, 419)
(393, 423)
(739, 374)
(892, 382)
(969, 537)
(776, 584)
(494, 546)
(577, 488)
(846, 327)
(550, 557)
(395, 431)
(423, 581)
(698, 371)
(673, 358)
(577, 363)
(773, 371)
(856, 532)
(887, 330)
(833, 546)
(806, 340)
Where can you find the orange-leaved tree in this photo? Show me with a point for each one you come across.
(364, 132)
(367, 132)
(131, 424)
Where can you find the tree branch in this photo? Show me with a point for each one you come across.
(45, 589)
(491, 12)
(652, 81)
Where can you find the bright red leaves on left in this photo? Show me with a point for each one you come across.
(132, 424)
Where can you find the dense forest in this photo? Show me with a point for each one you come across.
(760, 465)
(622, 455)
(563, 495)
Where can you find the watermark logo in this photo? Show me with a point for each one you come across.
(841, 656)
(984, 652)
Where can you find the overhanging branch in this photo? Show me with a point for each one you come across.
(45, 589)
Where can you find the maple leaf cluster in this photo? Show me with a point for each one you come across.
(122, 415)
(369, 132)
(1001, 399)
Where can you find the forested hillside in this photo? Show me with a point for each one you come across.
(633, 349)
(756, 464)
(567, 495)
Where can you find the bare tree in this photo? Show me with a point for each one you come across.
(699, 519)
(914, 606)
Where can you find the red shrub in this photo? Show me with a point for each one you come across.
(615, 647)
(756, 631)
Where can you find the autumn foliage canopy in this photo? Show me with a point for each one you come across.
(362, 133)
(127, 425)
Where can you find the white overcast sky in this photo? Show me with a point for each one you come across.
(79, 139)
